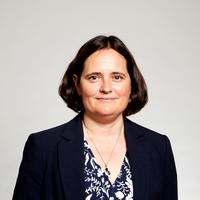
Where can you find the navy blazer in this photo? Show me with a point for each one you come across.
(53, 164)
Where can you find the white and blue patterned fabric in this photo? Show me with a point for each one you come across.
(97, 184)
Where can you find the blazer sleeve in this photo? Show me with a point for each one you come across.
(29, 181)
(170, 176)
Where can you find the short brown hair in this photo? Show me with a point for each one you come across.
(67, 89)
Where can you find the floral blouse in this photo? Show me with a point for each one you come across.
(97, 184)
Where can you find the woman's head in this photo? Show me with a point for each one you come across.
(68, 89)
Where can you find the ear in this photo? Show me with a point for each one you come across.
(75, 79)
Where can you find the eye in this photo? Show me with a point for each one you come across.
(93, 77)
(118, 77)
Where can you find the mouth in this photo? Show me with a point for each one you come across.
(106, 98)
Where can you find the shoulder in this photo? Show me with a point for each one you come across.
(142, 131)
(153, 139)
(49, 138)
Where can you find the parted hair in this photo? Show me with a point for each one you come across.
(67, 90)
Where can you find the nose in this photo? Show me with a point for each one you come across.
(106, 86)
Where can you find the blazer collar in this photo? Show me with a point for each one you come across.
(74, 129)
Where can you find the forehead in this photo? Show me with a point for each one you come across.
(105, 59)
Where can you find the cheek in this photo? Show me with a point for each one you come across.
(123, 90)
(89, 91)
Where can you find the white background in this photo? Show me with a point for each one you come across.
(38, 39)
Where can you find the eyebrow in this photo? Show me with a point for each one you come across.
(93, 73)
(117, 73)
(98, 73)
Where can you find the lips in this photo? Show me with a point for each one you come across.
(106, 98)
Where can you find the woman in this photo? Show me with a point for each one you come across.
(99, 154)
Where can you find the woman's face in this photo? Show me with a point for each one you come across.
(105, 84)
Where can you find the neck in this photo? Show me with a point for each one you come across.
(103, 128)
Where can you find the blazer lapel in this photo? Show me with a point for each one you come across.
(138, 156)
(71, 160)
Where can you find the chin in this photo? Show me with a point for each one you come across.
(107, 114)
